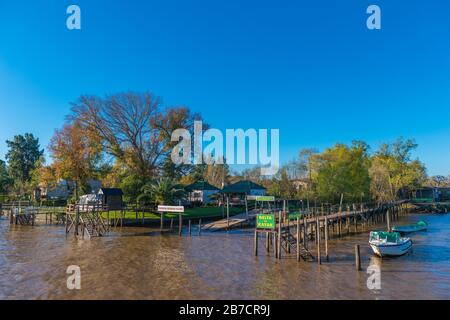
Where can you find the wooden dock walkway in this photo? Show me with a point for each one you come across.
(293, 236)
(232, 222)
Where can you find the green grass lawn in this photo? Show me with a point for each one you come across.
(190, 213)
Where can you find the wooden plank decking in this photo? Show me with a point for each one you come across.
(233, 221)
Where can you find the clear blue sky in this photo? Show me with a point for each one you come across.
(310, 68)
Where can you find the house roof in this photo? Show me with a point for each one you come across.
(200, 185)
(111, 191)
(244, 186)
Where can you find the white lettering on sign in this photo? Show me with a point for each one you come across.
(170, 209)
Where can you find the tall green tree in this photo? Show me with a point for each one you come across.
(343, 170)
(393, 170)
(23, 154)
(5, 181)
(282, 186)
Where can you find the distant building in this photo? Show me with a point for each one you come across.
(95, 185)
(444, 194)
(300, 184)
(201, 191)
(427, 194)
(63, 190)
(237, 191)
(112, 197)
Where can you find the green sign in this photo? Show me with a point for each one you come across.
(265, 198)
(265, 221)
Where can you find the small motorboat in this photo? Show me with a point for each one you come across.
(389, 243)
(419, 226)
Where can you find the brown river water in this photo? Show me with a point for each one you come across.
(139, 263)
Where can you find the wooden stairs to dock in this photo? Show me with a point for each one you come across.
(289, 244)
(88, 224)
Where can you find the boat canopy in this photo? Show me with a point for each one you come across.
(393, 237)
(422, 224)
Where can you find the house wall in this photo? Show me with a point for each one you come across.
(59, 191)
(113, 202)
(257, 192)
(195, 195)
(201, 195)
(207, 193)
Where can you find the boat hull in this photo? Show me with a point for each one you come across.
(404, 230)
(391, 250)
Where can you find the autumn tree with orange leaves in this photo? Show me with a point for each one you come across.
(76, 154)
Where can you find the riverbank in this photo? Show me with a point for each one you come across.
(206, 214)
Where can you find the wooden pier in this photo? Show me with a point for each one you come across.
(231, 222)
(294, 237)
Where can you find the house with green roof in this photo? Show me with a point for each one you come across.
(201, 191)
(239, 190)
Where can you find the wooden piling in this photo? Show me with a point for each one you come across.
(228, 212)
(279, 235)
(357, 258)
(319, 258)
(326, 238)
(189, 228)
(388, 221)
(199, 227)
(305, 233)
(275, 245)
(180, 224)
(256, 243)
(298, 239)
(77, 219)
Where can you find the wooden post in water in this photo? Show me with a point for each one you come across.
(279, 235)
(256, 243)
(275, 244)
(298, 238)
(347, 223)
(66, 224)
(180, 224)
(326, 238)
(77, 219)
(388, 220)
(305, 233)
(357, 258)
(267, 242)
(161, 225)
(199, 227)
(228, 211)
(319, 258)
(246, 207)
(189, 228)
(171, 224)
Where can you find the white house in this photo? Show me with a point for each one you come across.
(201, 191)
